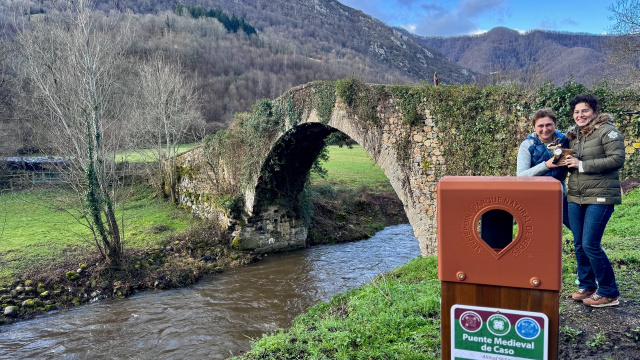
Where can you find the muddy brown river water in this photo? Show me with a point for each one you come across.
(217, 317)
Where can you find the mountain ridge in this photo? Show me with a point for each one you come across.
(558, 55)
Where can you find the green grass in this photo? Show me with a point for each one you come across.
(146, 155)
(352, 168)
(397, 316)
(34, 229)
(393, 317)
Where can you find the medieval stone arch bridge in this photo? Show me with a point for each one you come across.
(403, 140)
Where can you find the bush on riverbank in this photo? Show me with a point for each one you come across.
(397, 315)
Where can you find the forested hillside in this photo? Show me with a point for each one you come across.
(291, 44)
(554, 55)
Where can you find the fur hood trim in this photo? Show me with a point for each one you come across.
(591, 126)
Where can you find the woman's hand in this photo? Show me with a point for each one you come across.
(551, 165)
(572, 162)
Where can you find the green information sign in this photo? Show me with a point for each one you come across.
(483, 333)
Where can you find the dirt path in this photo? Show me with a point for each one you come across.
(600, 333)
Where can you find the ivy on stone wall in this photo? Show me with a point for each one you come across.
(481, 129)
(294, 113)
(324, 100)
(361, 99)
(409, 99)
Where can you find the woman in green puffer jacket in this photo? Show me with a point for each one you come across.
(594, 189)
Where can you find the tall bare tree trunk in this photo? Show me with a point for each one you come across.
(73, 62)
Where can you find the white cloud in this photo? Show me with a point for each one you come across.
(439, 21)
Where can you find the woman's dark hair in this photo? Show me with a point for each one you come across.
(546, 112)
(590, 99)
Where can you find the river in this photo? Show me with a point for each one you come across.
(217, 317)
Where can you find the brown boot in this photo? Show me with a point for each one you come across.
(582, 294)
(596, 300)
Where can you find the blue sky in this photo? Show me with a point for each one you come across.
(464, 17)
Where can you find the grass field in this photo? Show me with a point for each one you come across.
(35, 229)
(145, 155)
(352, 168)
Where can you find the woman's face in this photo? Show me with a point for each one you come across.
(545, 128)
(583, 113)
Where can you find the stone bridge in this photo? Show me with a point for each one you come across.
(265, 156)
(410, 156)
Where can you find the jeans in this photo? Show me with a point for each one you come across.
(565, 212)
(594, 269)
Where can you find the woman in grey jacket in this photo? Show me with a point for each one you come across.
(594, 189)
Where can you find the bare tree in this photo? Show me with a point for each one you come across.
(72, 62)
(624, 55)
(168, 116)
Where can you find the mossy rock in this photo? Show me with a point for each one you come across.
(50, 307)
(29, 303)
(218, 269)
(28, 283)
(10, 311)
(45, 294)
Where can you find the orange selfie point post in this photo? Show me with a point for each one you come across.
(499, 263)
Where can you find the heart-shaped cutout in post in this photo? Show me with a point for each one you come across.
(498, 230)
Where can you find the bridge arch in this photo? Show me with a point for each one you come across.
(407, 155)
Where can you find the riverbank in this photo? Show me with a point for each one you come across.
(397, 315)
(77, 275)
(46, 265)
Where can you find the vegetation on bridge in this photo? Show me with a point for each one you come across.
(479, 129)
